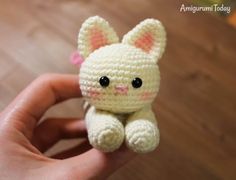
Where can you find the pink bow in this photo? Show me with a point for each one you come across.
(76, 59)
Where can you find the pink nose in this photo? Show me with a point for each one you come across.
(121, 89)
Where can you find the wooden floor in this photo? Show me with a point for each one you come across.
(196, 105)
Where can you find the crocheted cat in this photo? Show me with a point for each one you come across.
(120, 81)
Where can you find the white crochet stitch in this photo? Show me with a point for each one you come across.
(120, 81)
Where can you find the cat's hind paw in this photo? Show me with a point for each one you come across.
(142, 136)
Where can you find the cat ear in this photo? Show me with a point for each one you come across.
(149, 35)
(95, 33)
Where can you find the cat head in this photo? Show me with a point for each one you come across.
(120, 77)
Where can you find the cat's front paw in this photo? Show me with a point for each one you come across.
(141, 136)
(107, 135)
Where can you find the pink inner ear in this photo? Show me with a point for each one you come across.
(97, 38)
(145, 42)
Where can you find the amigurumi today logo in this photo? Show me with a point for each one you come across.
(213, 8)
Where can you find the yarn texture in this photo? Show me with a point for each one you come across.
(120, 81)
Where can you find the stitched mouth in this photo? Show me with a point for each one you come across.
(122, 90)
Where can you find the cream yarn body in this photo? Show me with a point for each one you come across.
(120, 81)
(107, 131)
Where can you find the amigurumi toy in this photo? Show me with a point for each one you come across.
(119, 81)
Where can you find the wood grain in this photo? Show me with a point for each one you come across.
(196, 105)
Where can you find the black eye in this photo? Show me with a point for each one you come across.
(104, 81)
(137, 82)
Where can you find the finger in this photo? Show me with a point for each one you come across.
(50, 131)
(24, 112)
(77, 150)
(95, 164)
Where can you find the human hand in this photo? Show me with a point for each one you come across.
(22, 142)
